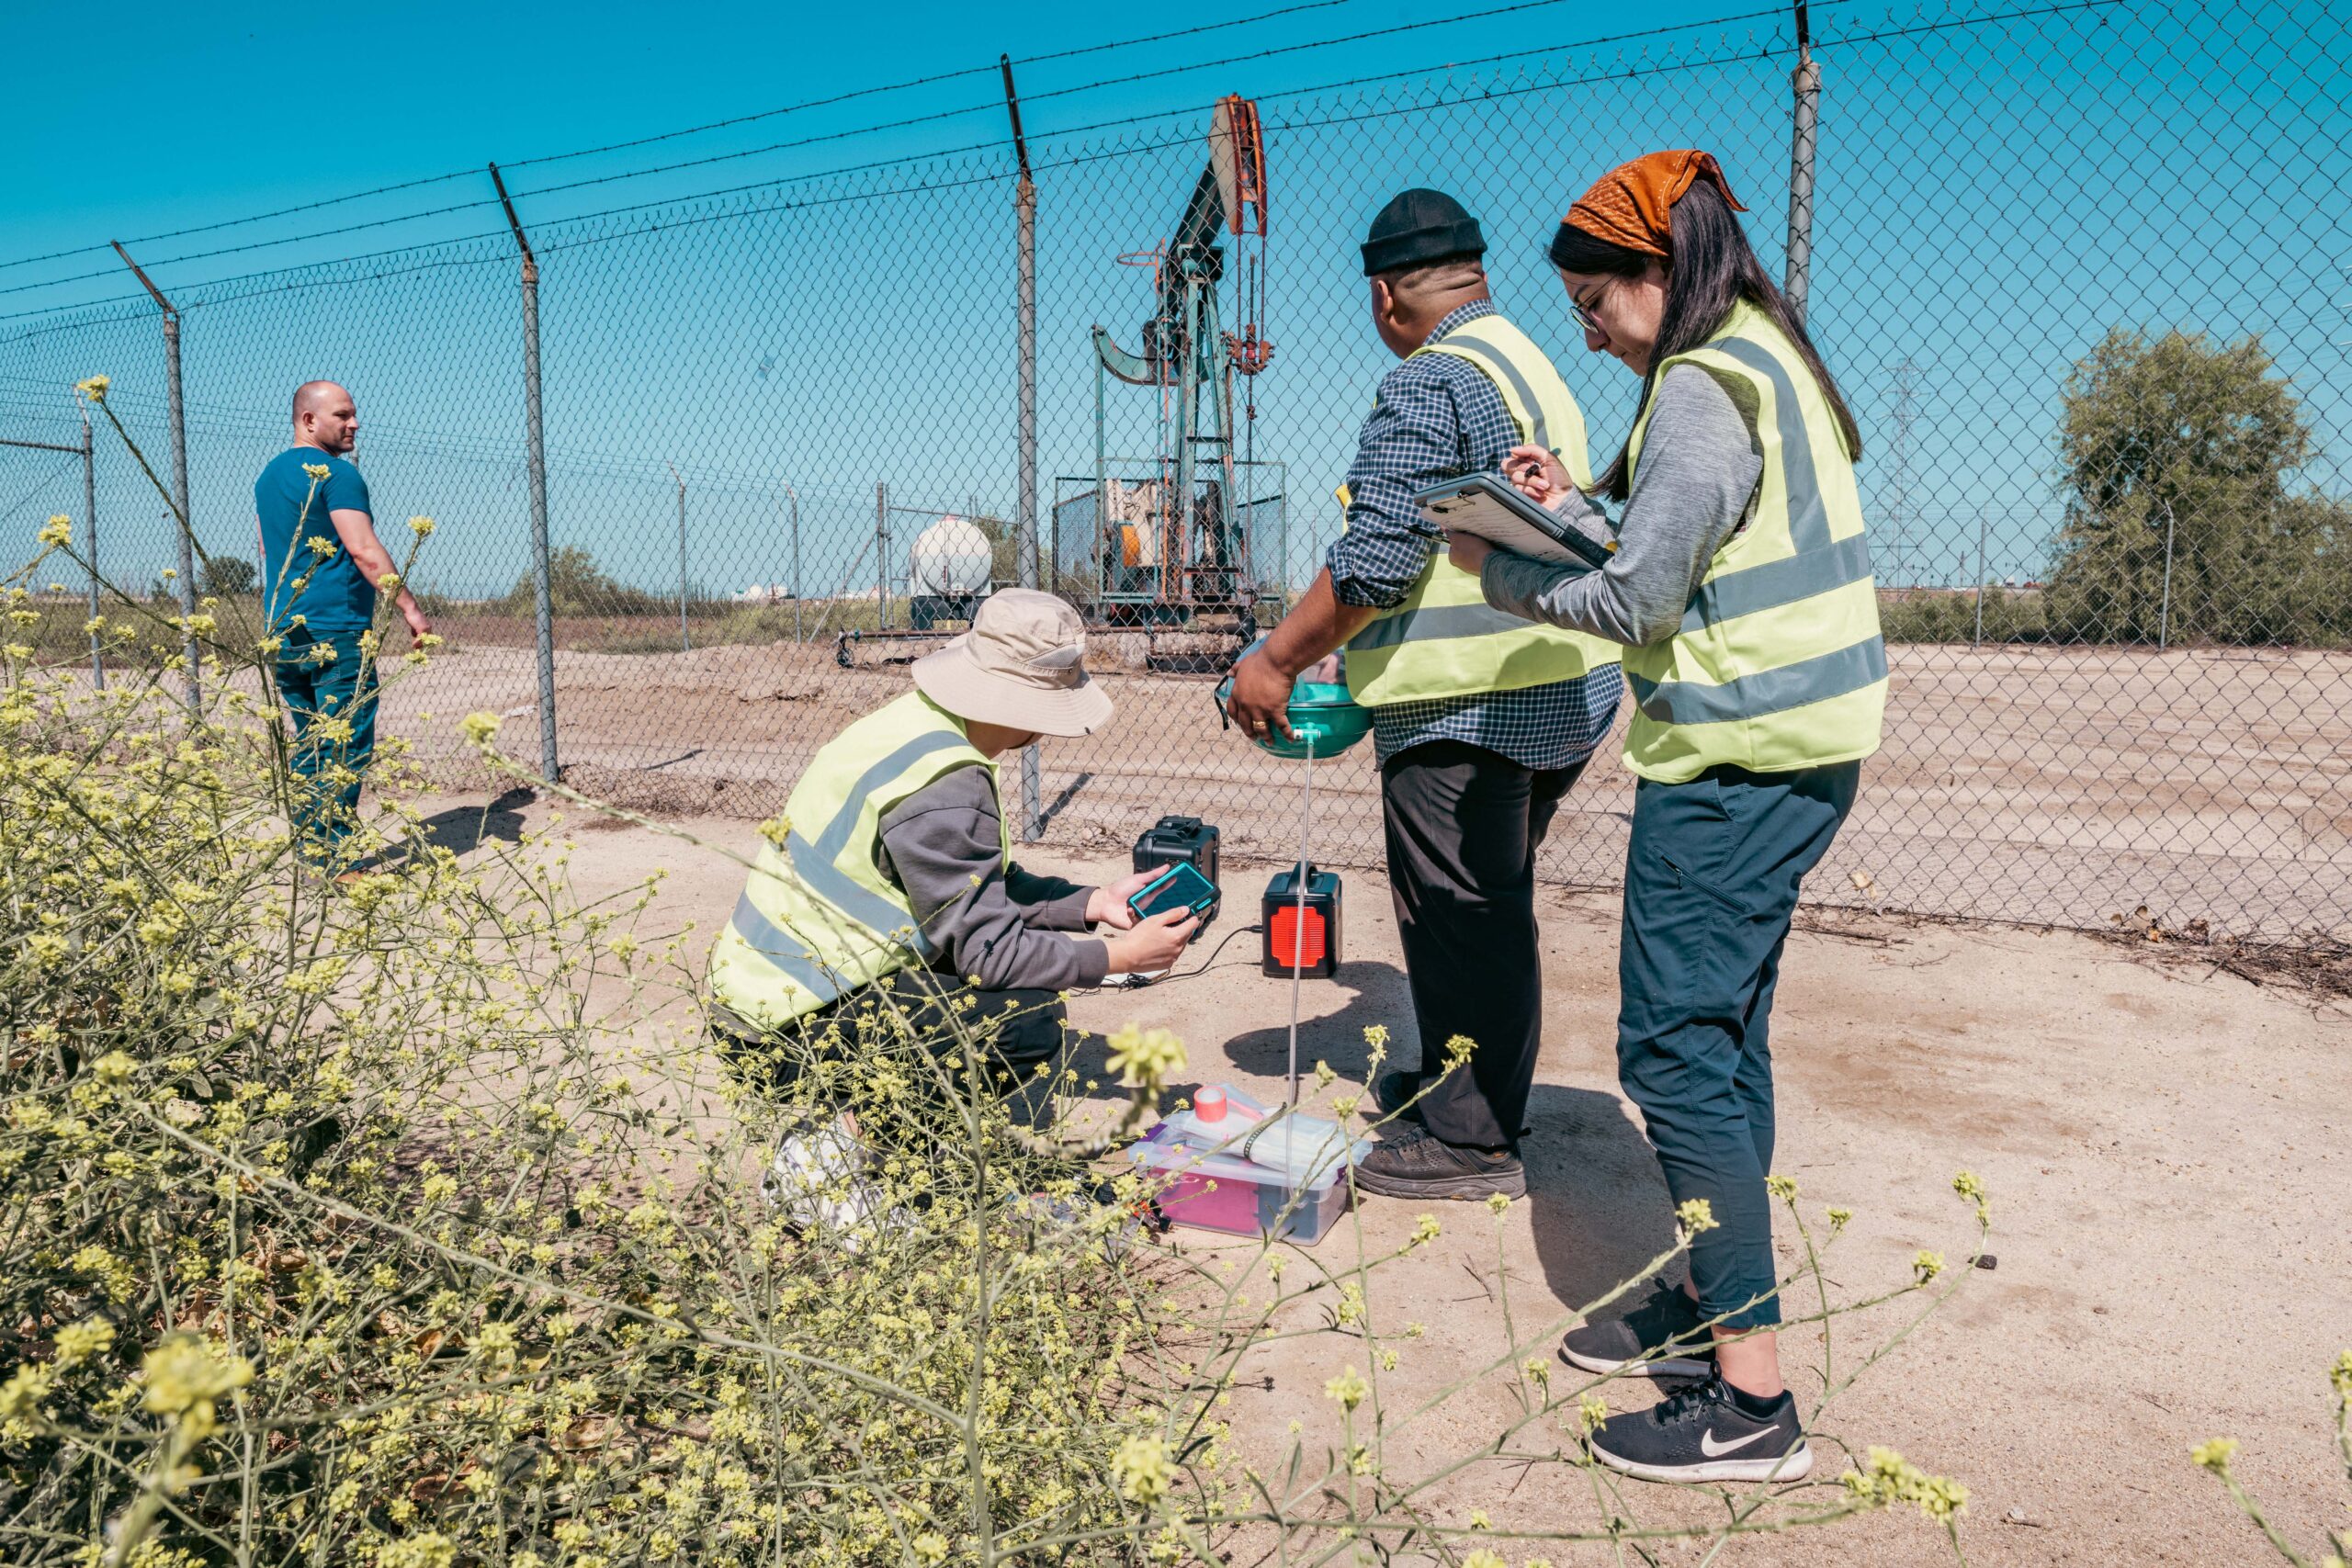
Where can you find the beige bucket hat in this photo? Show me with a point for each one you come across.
(1022, 665)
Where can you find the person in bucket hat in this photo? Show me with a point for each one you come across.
(1022, 666)
(890, 876)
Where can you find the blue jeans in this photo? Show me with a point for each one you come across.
(1711, 879)
(327, 764)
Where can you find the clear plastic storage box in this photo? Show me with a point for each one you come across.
(1223, 1193)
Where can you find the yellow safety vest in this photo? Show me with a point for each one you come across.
(1778, 664)
(1445, 639)
(819, 919)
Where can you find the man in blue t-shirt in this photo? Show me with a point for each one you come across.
(321, 562)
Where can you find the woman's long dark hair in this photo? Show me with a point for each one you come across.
(1711, 269)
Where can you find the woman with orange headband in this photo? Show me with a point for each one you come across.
(1741, 589)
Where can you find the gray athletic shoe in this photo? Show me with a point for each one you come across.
(1663, 1337)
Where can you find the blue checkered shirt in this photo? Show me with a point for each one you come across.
(1438, 416)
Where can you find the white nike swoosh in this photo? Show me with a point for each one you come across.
(1713, 1450)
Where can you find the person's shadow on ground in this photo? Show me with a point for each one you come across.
(1597, 1205)
(1380, 997)
(1596, 1202)
(460, 830)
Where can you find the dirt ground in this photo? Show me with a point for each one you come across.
(2166, 1146)
(2056, 785)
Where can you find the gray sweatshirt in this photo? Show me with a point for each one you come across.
(1697, 481)
(1009, 928)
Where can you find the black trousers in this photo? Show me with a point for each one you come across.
(1463, 826)
(1030, 1027)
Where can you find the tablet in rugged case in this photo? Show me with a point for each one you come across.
(1178, 888)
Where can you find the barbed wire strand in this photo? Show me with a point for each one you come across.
(929, 81)
(990, 106)
(686, 200)
(663, 136)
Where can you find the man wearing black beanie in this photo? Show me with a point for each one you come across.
(1482, 719)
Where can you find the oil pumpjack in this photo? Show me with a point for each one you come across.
(1185, 540)
(1190, 536)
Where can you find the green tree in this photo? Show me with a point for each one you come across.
(2184, 436)
(578, 586)
(229, 577)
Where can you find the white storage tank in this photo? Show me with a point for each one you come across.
(947, 571)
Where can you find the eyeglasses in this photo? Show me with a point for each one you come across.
(1583, 313)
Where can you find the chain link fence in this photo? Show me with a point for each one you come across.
(2080, 268)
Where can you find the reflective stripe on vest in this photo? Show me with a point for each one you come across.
(1445, 639)
(820, 918)
(1426, 623)
(1777, 663)
(1776, 690)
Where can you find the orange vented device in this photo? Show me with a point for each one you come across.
(1303, 935)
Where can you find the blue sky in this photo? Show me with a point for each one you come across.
(152, 118)
(1992, 198)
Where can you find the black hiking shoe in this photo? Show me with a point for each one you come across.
(1393, 1093)
(1664, 1336)
(1425, 1167)
(1701, 1433)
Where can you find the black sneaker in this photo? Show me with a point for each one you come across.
(1393, 1093)
(1662, 1337)
(1425, 1167)
(1700, 1433)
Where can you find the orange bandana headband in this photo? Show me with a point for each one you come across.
(1629, 205)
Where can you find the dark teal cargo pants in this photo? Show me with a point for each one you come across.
(1711, 879)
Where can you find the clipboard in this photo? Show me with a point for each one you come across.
(1485, 504)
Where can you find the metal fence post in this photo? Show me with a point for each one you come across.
(881, 554)
(794, 494)
(90, 516)
(685, 645)
(2164, 611)
(535, 457)
(1025, 544)
(1983, 570)
(1803, 140)
(90, 521)
(177, 413)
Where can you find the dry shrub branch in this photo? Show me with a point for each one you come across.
(411, 1222)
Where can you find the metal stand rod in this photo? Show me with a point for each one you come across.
(1298, 922)
(535, 447)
